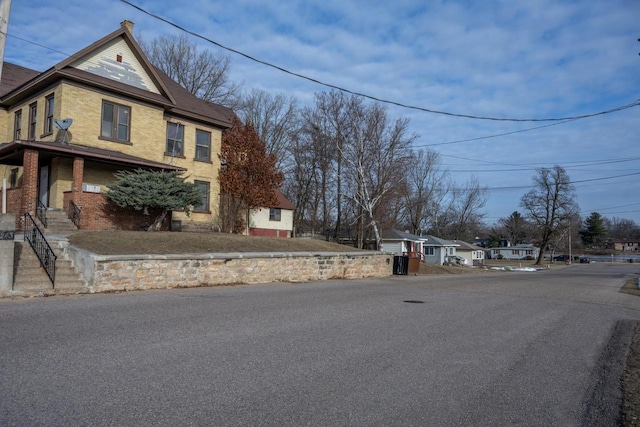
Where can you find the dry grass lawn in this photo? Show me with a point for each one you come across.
(162, 243)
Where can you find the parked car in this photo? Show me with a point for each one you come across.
(585, 260)
(460, 261)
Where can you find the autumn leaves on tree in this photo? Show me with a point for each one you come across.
(248, 176)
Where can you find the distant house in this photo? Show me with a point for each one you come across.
(485, 241)
(273, 221)
(472, 253)
(626, 245)
(524, 251)
(400, 242)
(437, 251)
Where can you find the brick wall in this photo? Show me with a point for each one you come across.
(123, 273)
(29, 182)
(268, 232)
(96, 213)
(147, 140)
(14, 199)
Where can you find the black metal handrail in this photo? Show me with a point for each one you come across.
(41, 213)
(41, 247)
(74, 213)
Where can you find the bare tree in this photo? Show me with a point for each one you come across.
(550, 204)
(274, 118)
(309, 179)
(324, 125)
(621, 228)
(466, 208)
(376, 152)
(425, 189)
(202, 72)
(348, 161)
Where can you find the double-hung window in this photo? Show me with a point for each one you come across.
(33, 118)
(428, 251)
(175, 138)
(17, 125)
(203, 145)
(116, 120)
(48, 114)
(203, 186)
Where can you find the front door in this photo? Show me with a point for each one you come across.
(43, 186)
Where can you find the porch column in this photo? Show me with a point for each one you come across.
(78, 179)
(29, 182)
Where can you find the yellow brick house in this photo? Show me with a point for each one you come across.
(125, 114)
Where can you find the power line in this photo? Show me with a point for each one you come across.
(604, 178)
(525, 168)
(496, 135)
(373, 98)
(574, 164)
(618, 207)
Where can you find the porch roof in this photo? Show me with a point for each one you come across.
(12, 153)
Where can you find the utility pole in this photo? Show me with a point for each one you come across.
(570, 257)
(5, 8)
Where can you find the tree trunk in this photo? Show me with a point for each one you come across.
(157, 223)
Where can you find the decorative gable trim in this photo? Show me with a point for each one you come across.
(106, 44)
(117, 62)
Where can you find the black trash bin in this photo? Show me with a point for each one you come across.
(400, 265)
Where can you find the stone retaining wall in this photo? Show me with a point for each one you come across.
(125, 272)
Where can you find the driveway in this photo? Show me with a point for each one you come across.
(541, 348)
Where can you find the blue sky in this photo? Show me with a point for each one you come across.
(502, 59)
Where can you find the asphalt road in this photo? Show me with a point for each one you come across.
(512, 348)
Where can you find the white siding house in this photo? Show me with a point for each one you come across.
(437, 251)
(274, 221)
(514, 252)
(472, 253)
(400, 242)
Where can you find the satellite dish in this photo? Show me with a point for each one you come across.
(63, 124)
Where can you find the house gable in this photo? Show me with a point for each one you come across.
(118, 57)
(116, 61)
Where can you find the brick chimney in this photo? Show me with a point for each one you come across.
(128, 25)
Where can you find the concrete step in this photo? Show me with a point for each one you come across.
(31, 279)
(57, 222)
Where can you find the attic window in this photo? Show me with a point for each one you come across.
(119, 58)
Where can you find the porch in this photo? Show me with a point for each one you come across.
(70, 177)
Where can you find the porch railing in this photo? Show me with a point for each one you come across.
(41, 213)
(41, 247)
(74, 213)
